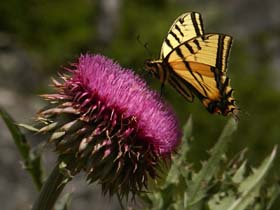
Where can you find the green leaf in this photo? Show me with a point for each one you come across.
(222, 200)
(187, 129)
(240, 173)
(31, 159)
(248, 190)
(197, 191)
(179, 159)
(273, 194)
(251, 185)
(187, 135)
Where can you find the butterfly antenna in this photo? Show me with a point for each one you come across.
(161, 89)
(143, 73)
(145, 45)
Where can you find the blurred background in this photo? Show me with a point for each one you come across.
(38, 37)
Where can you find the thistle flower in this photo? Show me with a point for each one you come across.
(105, 121)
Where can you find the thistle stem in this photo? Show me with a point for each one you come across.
(51, 189)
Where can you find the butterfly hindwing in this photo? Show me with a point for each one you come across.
(181, 86)
(205, 84)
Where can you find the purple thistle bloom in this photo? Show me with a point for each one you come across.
(106, 119)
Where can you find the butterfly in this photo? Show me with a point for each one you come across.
(195, 63)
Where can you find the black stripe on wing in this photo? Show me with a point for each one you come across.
(179, 53)
(181, 86)
(220, 49)
(195, 23)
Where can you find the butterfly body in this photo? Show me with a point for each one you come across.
(195, 63)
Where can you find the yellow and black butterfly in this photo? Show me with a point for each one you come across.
(195, 63)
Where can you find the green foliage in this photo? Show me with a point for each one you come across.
(220, 184)
(31, 157)
(52, 30)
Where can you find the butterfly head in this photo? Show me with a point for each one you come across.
(153, 67)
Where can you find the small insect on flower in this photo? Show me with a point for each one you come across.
(105, 120)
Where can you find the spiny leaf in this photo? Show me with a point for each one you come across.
(250, 187)
(273, 194)
(187, 129)
(221, 200)
(248, 190)
(187, 134)
(215, 187)
(31, 159)
(178, 160)
(197, 190)
(28, 127)
(240, 173)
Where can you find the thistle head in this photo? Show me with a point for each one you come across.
(105, 120)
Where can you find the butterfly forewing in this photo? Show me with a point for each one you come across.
(184, 28)
(211, 49)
